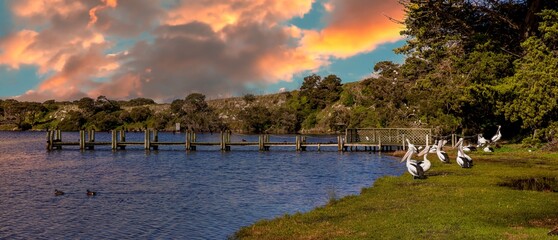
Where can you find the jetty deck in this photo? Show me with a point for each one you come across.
(367, 139)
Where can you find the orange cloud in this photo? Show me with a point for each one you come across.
(15, 49)
(355, 26)
(40, 9)
(93, 12)
(219, 14)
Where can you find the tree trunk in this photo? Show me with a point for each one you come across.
(530, 24)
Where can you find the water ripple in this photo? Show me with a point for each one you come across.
(168, 194)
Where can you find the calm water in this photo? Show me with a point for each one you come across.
(207, 194)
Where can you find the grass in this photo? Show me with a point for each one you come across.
(452, 203)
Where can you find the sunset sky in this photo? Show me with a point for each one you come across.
(167, 49)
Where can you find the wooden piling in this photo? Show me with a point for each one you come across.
(155, 139)
(222, 141)
(81, 139)
(339, 143)
(122, 139)
(188, 140)
(113, 142)
(49, 140)
(58, 135)
(147, 140)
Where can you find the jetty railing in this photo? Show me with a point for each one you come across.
(388, 138)
(369, 139)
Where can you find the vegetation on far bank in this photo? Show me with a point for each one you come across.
(508, 194)
(470, 66)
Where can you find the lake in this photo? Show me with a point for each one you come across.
(170, 193)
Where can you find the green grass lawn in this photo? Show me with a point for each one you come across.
(452, 203)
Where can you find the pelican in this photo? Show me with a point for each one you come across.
(481, 141)
(497, 136)
(488, 148)
(469, 148)
(443, 156)
(411, 146)
(463, 159)
(425, 163)
(414, 167)
(434, 147)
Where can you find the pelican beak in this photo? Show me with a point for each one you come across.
(406, 156)
(424, 151)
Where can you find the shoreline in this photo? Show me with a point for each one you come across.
(478, 203)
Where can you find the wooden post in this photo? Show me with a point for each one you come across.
(403, 145)
(58, 135)
(113, 140)
(227, 140)
(49, 140)
(222, 143)
(453, 140)
(92, 135)
(380, 144)
(260, 142)
(155, 139)
(187, 140)
(122, 139)
(92, 139)
(146, 140)
(81, 139)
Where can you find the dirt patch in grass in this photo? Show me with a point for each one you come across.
(543, 184)
(545, 222)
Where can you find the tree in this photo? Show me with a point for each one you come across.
(531, 94)
(87, 106)
(176, 107)
(256, 118)
(73, 121)
(140, 114)
(140, 101)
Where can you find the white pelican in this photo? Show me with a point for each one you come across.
(463, 159)
(425, 163)
(413, 166)
(411, 146)
(469, 148)
(497, 136)
(434, 147)
(481, 141)
(443, 156)
(488, 148)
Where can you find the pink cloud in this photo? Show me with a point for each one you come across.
(211, 46)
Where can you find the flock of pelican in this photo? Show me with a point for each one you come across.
(417, 168)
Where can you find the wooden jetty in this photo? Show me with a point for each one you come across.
(368, 139)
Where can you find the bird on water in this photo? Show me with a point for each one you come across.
(58, 192)
(90, 193)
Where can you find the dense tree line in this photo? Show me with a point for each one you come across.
(470, 65)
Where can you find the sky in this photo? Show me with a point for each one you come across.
(167, 49)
